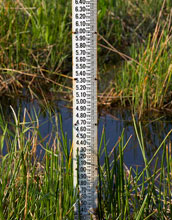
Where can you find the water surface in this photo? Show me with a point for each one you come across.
(113, 121)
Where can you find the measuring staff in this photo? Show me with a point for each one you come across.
(84, 45)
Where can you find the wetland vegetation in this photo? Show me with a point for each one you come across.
(36, 178)
(134, 40)
(135, 67)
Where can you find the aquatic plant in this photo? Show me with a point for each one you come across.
(144, 80)
(37, 185)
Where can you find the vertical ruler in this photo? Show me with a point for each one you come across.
(84, 42)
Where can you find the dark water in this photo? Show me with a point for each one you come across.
(113, 122)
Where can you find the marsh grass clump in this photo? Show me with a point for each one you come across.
(144, 80)
(34, 33)
(34, 42)
(128, 193)
(34, 185)
(40, 186)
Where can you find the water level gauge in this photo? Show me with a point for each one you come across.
(84, 41)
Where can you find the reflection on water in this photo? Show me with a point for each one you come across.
(112, 122)
(154, 131)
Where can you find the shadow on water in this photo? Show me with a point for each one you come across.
(112, 122)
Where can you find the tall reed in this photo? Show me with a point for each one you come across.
(145, 79)
(40, 186)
